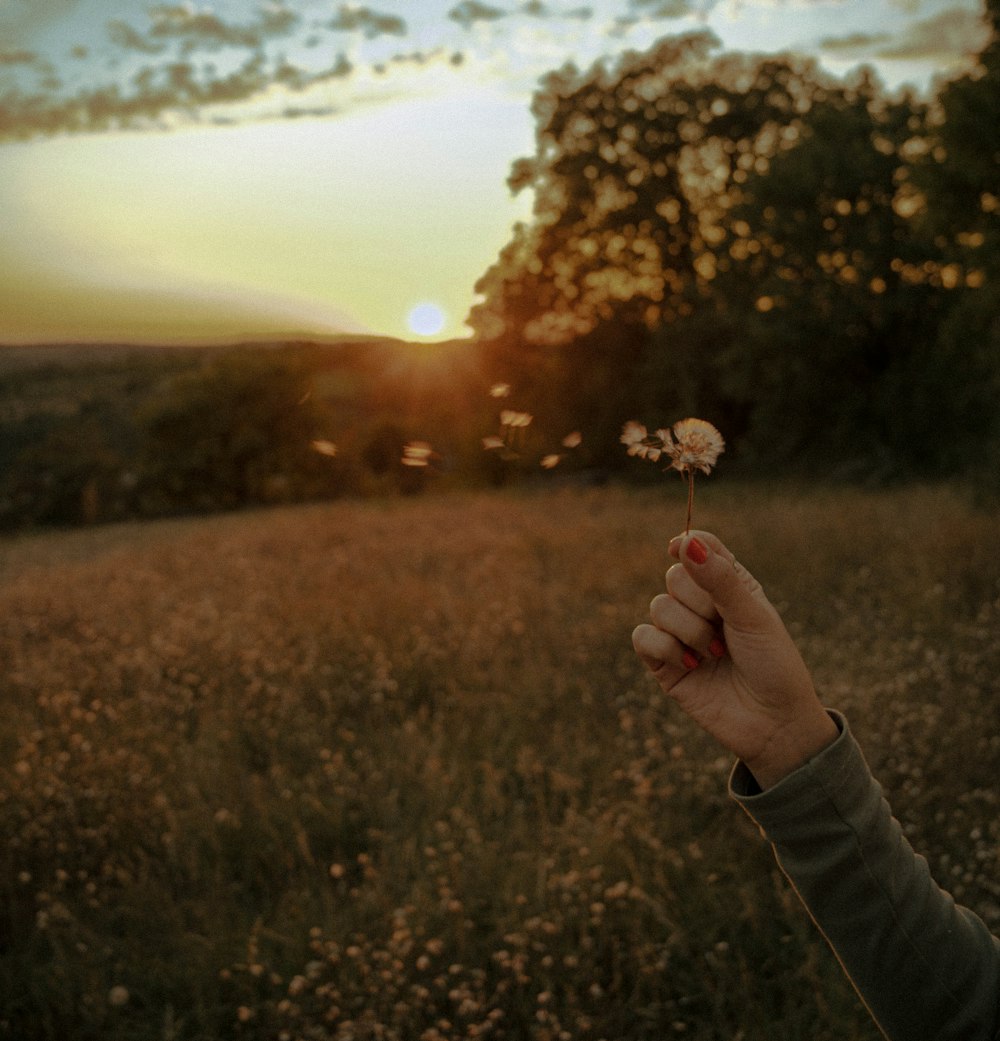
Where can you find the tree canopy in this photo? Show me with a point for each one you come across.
(804, 260)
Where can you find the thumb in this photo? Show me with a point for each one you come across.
(737, 595)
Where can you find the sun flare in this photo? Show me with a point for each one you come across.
(426, 319)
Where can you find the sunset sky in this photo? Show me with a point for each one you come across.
(238, 169)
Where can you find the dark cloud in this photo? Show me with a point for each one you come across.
(371, 23)
(468, 12)
(199, 30)
(854, 42)
(123, 35)
(176, 86)
(18, 57)
(539, 9)
(951, 33)
(204, 29)
(663, 8)
(947, 35)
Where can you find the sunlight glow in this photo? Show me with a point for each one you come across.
(426, 319)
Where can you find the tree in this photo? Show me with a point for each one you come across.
(235, 432)
(646, 177)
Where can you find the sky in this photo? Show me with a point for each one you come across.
(253, 169)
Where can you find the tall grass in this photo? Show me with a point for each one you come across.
(392, 771)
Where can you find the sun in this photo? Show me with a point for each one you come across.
(426, 319)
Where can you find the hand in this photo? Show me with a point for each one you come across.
(718, 647)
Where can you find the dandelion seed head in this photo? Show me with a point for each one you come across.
(698, 445)
(417, 453)
(510, 418)
(633, 437)
(118, 996)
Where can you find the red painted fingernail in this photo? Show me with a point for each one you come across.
(696, 551)
(717, 648)
(690, 660)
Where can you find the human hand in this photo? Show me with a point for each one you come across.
(718, 647)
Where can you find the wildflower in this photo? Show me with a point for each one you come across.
(510, 418)
(691, 444)
(638, 441)
(118, 996)
(417, 453)
(698, 445)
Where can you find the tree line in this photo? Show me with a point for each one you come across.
(812, 264)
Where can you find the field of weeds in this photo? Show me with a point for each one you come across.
(392, 771)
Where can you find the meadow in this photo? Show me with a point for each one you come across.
(390, 770)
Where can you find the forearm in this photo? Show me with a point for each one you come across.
(925, 968)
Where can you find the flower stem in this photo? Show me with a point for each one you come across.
(687, 525)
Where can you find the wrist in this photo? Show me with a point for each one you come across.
(792, 746)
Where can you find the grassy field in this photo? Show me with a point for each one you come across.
(391, 770)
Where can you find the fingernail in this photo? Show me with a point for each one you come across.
(717, 648)
(696, 552)
(690, 660)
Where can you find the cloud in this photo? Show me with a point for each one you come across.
(123, 35)
(200, 30)
(950, 35)
(854, 43)
(663, 8)
(18, 57)
(954, 33)
(371, 23)
(468, 12)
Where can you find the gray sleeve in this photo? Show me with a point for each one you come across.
(927, 969)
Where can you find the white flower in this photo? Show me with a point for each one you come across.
(634, 436)
(510, 418)
(325, 448)
(118, 996)
(698, 445)
(417, 453)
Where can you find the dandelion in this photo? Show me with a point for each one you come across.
(118, 996)
(515, 420)
(417, 453)
(691, 444)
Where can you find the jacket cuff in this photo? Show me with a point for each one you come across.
(837, 774)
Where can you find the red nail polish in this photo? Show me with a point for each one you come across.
(717, 648)
(696, 552)
(690, 660)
